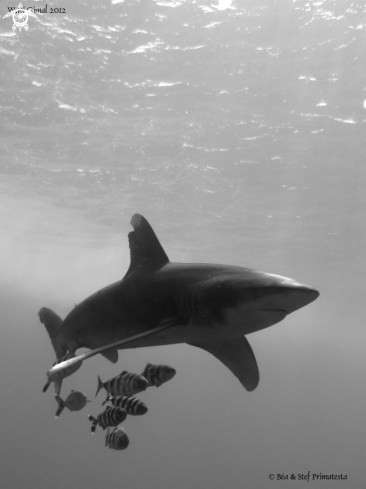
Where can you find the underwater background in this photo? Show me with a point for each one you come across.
(238, 130)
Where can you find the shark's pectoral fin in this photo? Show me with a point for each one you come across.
(111, 355)
(238, 356)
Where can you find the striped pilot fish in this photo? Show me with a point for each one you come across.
(131, 404)
(59, 376)
(158, 374)
(116, 438)
(75, 401)
(112, 416)
(125, 384)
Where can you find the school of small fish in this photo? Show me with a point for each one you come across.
(120, 393)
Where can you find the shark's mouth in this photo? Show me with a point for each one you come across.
(274, 310)
(244, 321)
(263, 318)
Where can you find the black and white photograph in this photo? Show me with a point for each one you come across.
(182, 245)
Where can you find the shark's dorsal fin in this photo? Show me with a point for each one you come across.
(145, 248)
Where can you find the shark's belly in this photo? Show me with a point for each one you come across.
(101, 322)
(235, 323)
(241, 321)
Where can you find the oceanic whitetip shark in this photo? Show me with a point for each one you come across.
(159, 302)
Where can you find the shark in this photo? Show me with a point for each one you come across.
(159, 302)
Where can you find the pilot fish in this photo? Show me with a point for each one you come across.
(116, 438)
(112, 416)
(59, 376)
(75, 401)
(125, 384)
(131, 404)
(158, 374)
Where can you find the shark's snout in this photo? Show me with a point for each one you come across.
(284, 294)
(298, 296)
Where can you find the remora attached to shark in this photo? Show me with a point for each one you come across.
(159, 302)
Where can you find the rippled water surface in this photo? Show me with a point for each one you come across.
(238, 130)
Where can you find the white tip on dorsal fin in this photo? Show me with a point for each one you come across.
(145, 248)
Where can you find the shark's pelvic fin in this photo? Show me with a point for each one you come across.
(238, 356)
(111, 355)
(145, 249)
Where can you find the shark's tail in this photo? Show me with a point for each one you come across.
(100, 386)
(61, 405)
(53, 324)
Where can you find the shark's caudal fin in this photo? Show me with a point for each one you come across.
(238, 356)
(145, 249)
(61, 405)
(53, 324)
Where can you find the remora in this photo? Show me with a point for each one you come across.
(160, 303)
